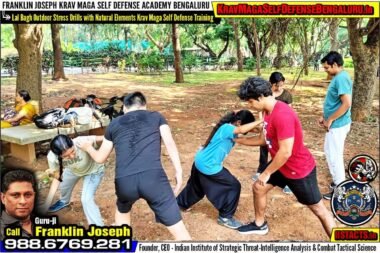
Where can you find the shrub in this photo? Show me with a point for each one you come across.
(190, 61)
(121, 64)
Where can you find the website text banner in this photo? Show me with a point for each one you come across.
(224, 9)
(106, 5)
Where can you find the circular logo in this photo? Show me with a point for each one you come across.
(354, 204)
(362, 169)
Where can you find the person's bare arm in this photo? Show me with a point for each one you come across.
(17, 117)
(252, 141)
(99, 139)
(247, 127)
(170, 145)
(281, 157)
(49, 199)
(100, 155)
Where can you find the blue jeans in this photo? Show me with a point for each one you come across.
(90, 185)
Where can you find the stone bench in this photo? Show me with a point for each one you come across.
(22, 138)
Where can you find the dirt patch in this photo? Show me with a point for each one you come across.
(191, 113)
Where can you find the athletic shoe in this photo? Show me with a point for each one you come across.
(57, 206)
(287, 190)
(328, 196)
(229, 222)
(252, 228)
(256, 176)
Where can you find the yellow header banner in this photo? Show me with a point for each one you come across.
(223, 9)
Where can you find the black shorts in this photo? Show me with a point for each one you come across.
(154, 187)
(305, 189)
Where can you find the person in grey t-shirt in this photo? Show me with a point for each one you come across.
(74, 164)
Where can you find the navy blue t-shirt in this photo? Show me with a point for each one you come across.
(137, 141)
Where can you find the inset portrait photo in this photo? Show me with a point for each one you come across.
(18, 201)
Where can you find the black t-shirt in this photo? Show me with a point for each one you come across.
(137, 141)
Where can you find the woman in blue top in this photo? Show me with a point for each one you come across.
(209, 177)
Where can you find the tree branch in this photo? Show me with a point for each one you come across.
(365, 31)
(157, 44)
(224, 49)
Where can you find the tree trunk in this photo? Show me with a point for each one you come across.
(257, 44)
(366, 60)
(250, 40)
(235, 25)
(306, 53)
(126, 31)
(278, 60)
(265, 40)
(306, 65)
(333, 33)
(280, 31)
(28, 43)
(177, 54)
(59, 73)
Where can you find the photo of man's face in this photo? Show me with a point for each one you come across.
(19, 199)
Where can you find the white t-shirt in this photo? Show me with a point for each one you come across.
(82, 164)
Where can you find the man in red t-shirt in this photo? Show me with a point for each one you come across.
(292, 162)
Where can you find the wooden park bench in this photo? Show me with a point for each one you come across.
(23, 138)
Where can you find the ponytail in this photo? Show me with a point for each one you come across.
(60, 168)
(58, 145)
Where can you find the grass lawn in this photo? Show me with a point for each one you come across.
(207, 77)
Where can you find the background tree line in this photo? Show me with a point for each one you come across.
(281, 41)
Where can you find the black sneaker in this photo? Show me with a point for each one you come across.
(328, 196)
(252, 228)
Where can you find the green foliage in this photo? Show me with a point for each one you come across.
(229, 63)
(150, 61)
(121, 64)
(348, 63)
(130, 60)
(211, 36)
(10, 64)
(69, 47)
(190, 61)
(250, 63)
(232, 61)
(265, 62)
(7, 36)
(47, 60)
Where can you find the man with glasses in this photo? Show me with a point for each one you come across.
(336, 119)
